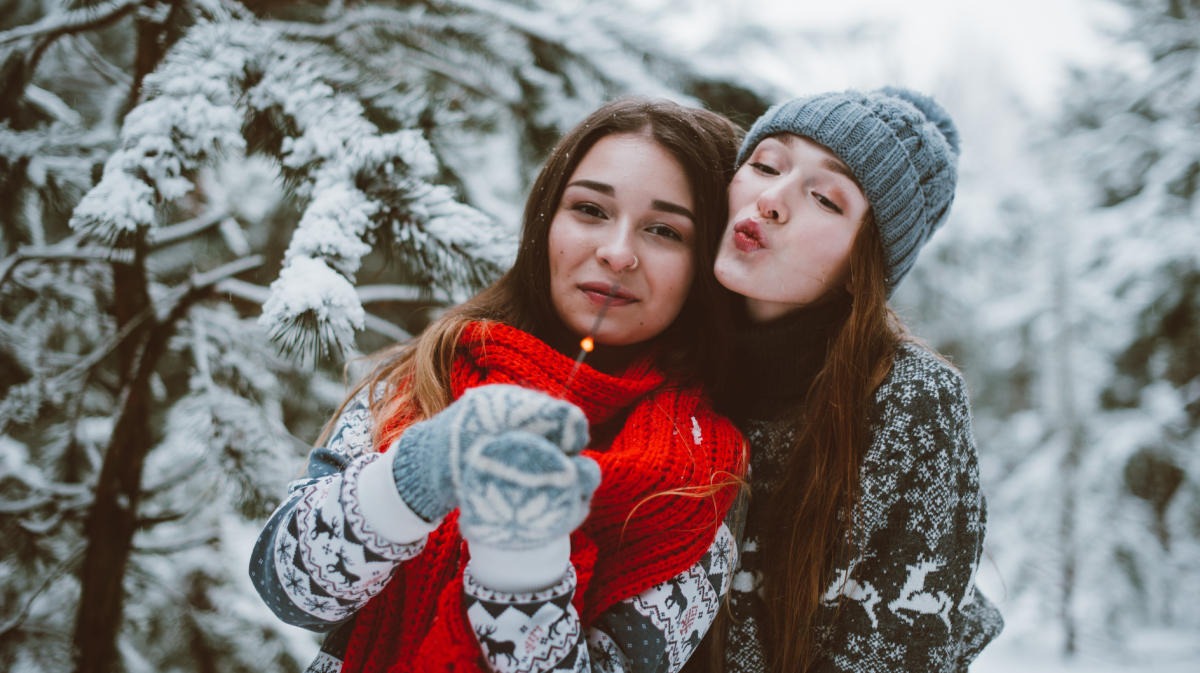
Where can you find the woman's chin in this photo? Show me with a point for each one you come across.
(734, 277)
(619, 339)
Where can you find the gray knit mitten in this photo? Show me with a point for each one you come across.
(429, 456)
(519, 491)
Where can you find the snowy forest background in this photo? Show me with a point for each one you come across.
(170, 171)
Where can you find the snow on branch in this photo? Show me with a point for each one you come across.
(247, 450)
(189, 117)
(587, 42)
(310, 307)
(72, 21)
(370, 15)
(359, 184)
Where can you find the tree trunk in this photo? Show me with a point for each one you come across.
(109, 530)
(130, 298)
(150, 49)
(113, 517)
(1073, 433)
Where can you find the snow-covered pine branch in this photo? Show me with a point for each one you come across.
(226, 79)
(360, 185)
(189, 116)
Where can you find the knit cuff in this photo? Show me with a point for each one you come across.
(410, 473)
(521, 571)
(383, 510)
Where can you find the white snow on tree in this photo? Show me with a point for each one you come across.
(359, 184)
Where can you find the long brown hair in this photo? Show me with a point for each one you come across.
(817, 501)
(813, 509)
(412, 381)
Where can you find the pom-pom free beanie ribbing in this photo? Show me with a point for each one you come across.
(901, 146)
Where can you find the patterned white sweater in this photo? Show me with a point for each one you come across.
(339, 536)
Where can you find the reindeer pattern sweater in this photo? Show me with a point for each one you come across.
(908, 601)
(331, 546)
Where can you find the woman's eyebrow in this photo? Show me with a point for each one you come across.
(594, 186)
(668, 207)
(664, 206)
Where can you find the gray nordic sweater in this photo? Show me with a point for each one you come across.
(909, 600)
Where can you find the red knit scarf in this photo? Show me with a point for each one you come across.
(628, 543)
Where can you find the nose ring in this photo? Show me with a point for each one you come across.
(635, 263)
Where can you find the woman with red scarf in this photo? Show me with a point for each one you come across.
(484, 503)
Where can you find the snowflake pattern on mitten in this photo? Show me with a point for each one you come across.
(520, 491)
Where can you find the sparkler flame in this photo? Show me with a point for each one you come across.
(588, 343)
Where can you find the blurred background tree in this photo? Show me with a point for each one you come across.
(1065, 287)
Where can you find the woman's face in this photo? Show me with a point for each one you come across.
(625, 217)
(794, 209)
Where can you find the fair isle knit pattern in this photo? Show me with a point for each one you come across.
(318, 561)
(909, 602)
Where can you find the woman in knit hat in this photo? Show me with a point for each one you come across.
(865, 532)
(439, 527)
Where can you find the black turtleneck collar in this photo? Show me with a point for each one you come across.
(775, 362)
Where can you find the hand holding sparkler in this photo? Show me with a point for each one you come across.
(519, 491)
(430, 458)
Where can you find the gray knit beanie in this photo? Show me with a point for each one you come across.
(901, 146)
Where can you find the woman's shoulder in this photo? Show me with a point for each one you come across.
(922, 456)
(921, 408)
(352, 430)
(921, 379)
(921, 440)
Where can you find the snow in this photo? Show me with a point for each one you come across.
(193, 117)
(247, 188)
(308, 285)
(806, 47)
(1150, 651)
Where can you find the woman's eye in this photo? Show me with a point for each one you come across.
(665, 231)
(827, 203)
(589, 209)
(763, 168)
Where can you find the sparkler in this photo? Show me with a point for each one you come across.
(589, 342)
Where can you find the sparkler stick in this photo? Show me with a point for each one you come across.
(589, 342)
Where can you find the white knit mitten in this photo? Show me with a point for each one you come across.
(519, 491)
(428, 467)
